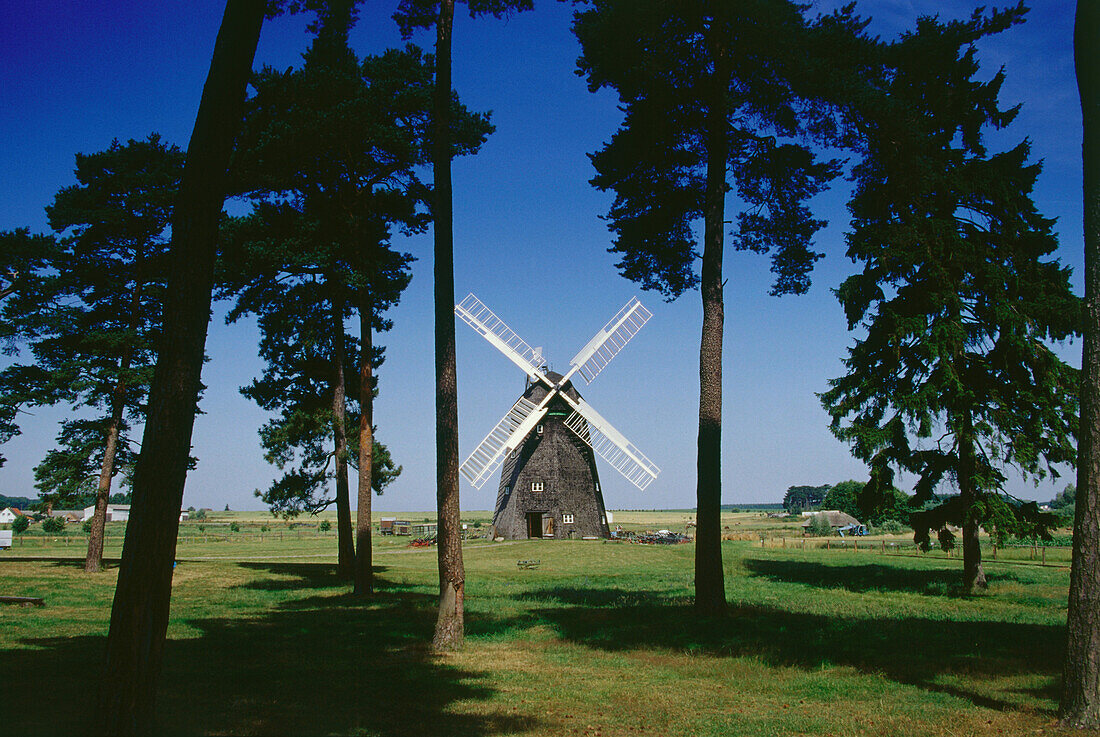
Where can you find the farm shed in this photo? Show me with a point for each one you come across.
(394, 526)
(69, 515)
(836, 519)
(115, 512)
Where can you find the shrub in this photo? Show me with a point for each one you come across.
(202, 528)
(198, 515)
(891, 527)
(234, 527)
(265, 528)
(819, 526)
(21, 524)
(325, 526)
(53, 525)
(86, 526)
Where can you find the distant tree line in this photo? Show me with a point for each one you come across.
(846, 497)
(19, 502)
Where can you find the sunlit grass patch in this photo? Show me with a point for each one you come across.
(601, 639)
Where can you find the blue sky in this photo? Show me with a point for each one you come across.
(528, 241)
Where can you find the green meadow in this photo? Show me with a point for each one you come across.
(599, 639)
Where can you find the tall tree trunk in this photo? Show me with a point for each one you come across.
(364, 573)
(449, 628)
(93, 561)
(710, 591)
(139, 615)
(344, 540)
(1080, 706)
(973, 573)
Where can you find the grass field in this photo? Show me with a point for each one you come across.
(598, 640)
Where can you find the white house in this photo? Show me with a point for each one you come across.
(9, 514)
(115, 512)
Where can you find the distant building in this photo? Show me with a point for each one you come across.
(9, 514)
(69, 515)
(394, 526)
(115, 512)
(837, 520)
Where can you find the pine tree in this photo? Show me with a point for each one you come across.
(329, 154)
(411, 14)
(93, 323)
(958, 295)
(1080, 704)
(139, 613)
(26, 289)
(712, 93)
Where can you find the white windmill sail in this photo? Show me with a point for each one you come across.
(605, 344)
(493, 329)
(610, 444)
(524, 415)
(508, 433)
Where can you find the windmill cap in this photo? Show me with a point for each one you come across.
(538, 390)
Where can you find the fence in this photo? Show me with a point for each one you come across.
(184, 538)
(1031, 553)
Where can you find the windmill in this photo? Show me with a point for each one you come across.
(547, 441)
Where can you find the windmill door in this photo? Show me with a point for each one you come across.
(540, 524)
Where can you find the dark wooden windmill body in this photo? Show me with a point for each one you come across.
(548, 441)
(549, 485)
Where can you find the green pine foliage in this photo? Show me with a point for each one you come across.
(774, 106)
(952, 378)
(329, 156)
(716, 97)
(69, 474)
(24, 260)
(413, 14)
(92, 318)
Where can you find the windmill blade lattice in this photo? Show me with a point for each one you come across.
(493, 329)
(588, 425)
(607, 343)
(490, 452)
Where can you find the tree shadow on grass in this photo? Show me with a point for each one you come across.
(73, 562)
(917, 651)
(299, 576)
(865, 577)
(328, 663)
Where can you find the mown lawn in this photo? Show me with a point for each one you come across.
(599, 640)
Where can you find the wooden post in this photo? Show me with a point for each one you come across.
(828, 544)
(1044, 548)
(884, 547)
(855, 541)
(994, 551)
